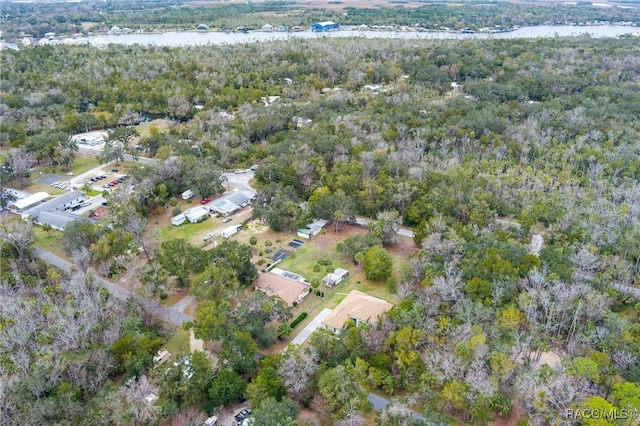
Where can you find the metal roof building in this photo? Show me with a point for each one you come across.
(58, 203)
(229, 203)
(325, 26)
(30, 201)
(56, 219)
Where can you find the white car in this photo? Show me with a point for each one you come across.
(208, 236)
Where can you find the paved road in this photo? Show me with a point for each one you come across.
(182, 304)
(403, 232)
(240, 181)
(168, 314)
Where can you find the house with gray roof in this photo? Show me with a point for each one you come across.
(53, 212)
(56, 219)
(228, 203)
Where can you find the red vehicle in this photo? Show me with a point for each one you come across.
(114, 183)
(205, 200)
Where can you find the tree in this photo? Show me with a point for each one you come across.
(19, 235)
(597, 412)
(238, 352)
(181, 259)
(79, 233)
(341, 390)
(267, 384)
(377, 264)
(584, 367)
(211, 319)
(296, 369)
(118, 144)
(204, 177)
(188, 379)
(626, 395)
(19, 163)
(67, 149)
(236, 257)
(386, 227)
(226, 387)
(273, 412)
(213, 283)
(357, 245)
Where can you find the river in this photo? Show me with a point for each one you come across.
(201, 38)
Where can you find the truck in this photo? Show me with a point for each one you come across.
(229, 231)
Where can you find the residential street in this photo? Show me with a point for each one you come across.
(171, 315)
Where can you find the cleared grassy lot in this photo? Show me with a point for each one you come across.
(51, 241)
(144, 130)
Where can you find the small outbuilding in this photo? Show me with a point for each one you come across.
(335, 277)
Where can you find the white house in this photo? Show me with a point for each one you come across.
(178, 220)
(196, 214)
(335, 277)
(312, 229)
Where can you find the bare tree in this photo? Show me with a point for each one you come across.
(18, 234)
(81, 258)
(20, 162)
(189, 416)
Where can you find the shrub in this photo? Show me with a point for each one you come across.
(298, 320)
(176, 212)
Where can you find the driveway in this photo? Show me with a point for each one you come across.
(311, 327)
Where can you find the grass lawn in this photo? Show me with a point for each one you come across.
(178, 343)
(51, 241)
(84, 163)
(192, 232)
(302, 261)
(160, 124)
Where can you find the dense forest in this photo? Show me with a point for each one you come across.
(475, 145)
(37, 19)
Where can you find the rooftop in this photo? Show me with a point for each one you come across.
(359, 306)
(57, 203)
(276, 285)
(30, 200)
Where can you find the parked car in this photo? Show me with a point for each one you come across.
(226, 219)
(208, 236)
(106, 185)
(243, 414)
(114, 170)
(255, 166)
(205, 200)
(85, 204)
(240, 171)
